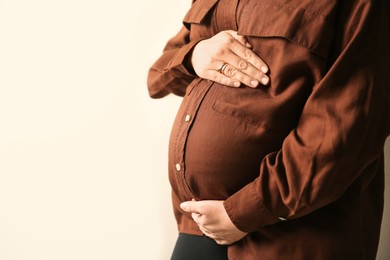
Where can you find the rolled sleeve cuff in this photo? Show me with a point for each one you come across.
(178, 64)
(247, 211)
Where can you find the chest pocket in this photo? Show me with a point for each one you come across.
(270, 19)
(198, 19)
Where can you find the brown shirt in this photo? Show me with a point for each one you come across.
(299, 163)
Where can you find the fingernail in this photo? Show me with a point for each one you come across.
(264, 80)
(237, 84)
(264, 69)
(248, 45)
(254, 83)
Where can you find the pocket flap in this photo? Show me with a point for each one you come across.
(309, 29)
(198, 11)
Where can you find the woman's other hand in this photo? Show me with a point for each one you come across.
(213, 221)
(227, 58)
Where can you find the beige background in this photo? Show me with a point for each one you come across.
(82, 147)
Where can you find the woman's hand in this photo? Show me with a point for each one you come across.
(213, 221)
(227, 58)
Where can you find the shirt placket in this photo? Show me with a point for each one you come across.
(188, 116)
(225, 19)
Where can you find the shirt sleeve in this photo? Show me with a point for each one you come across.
(171, 73)
(341, 132)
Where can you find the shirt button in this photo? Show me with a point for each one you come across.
(178, 167)
(188, 118)
(282, 218)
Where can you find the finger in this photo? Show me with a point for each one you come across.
(248, 55)
(197, 218)
(190, 206)
(242, 39)
(222, 242)
(211, 235)
(243, 74)
(248, 74)
(222, 79)
(207, 233)
(253, 74)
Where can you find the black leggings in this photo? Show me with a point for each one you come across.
(191, 247)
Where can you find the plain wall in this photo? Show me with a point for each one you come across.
(83, 150)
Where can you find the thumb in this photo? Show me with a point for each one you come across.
(190, 206)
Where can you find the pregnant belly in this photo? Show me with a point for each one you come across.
(224, 150)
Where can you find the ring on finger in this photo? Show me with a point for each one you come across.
(222, 68)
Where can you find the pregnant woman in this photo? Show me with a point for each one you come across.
(277, 149)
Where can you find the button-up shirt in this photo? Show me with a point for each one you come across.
(299, 163)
